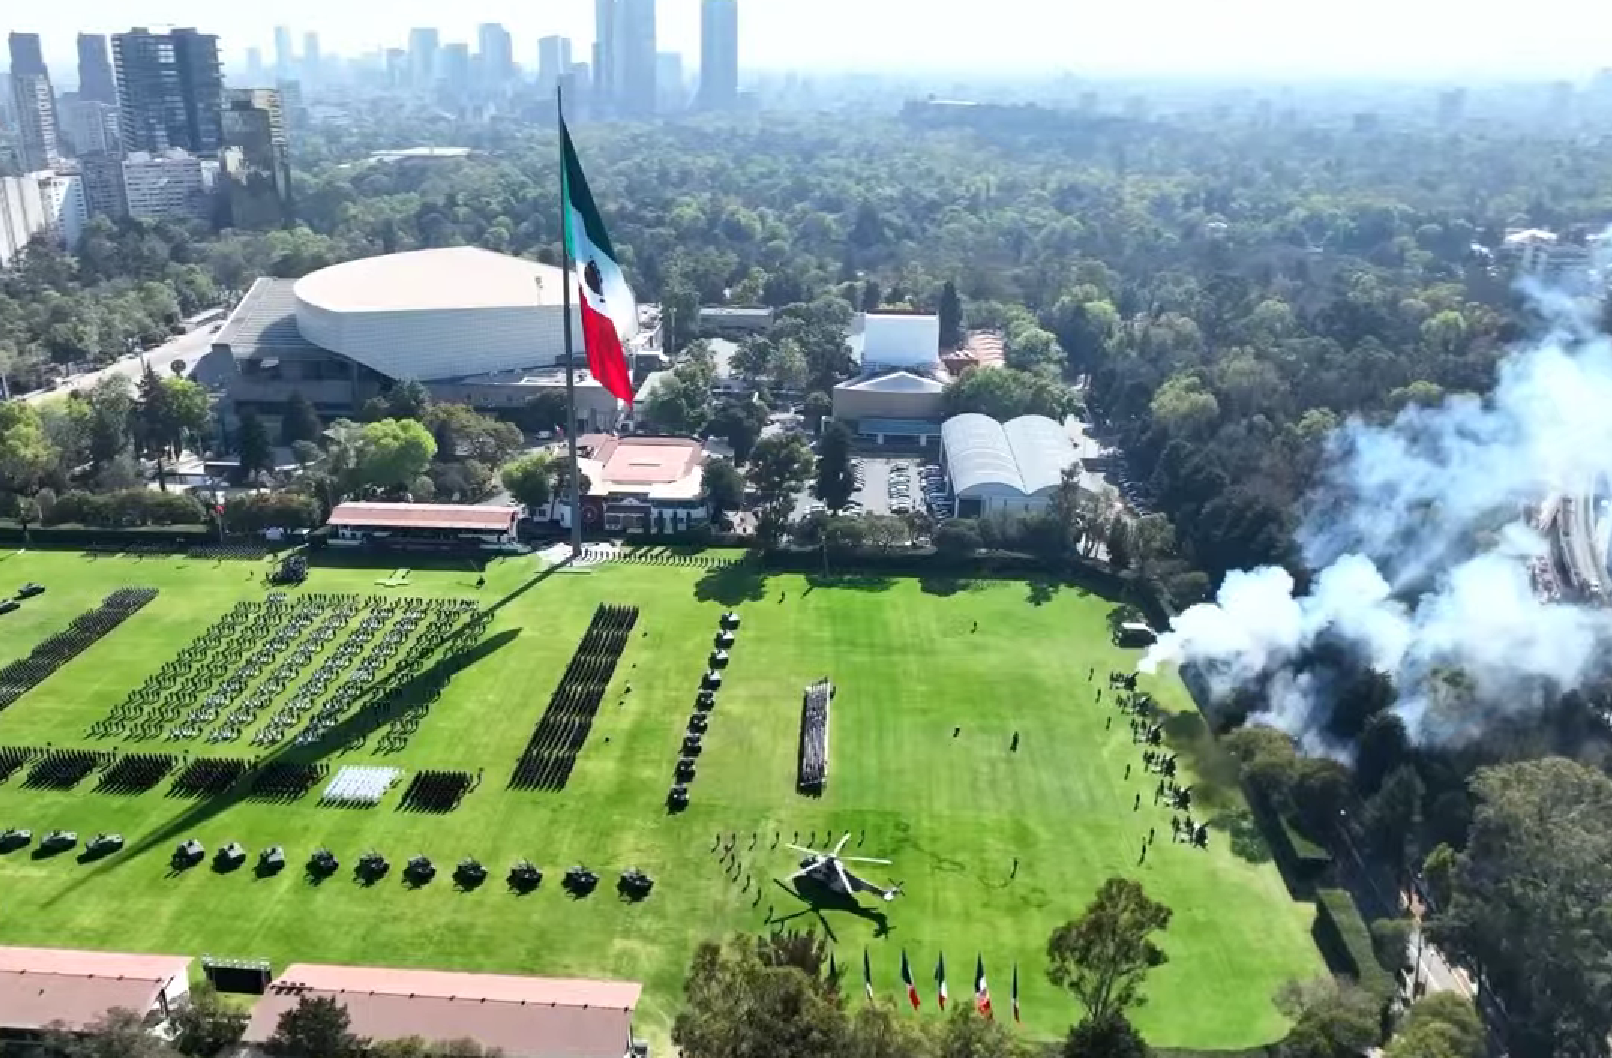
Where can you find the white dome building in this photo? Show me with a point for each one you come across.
(472, 325)
(434, 315)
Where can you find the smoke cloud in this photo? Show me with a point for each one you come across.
(1426, 558)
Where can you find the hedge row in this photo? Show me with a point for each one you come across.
(179, 536)
(1345, 941)
(126, 509)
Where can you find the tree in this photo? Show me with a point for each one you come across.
(1393, 814)
(317, 1027)
(680, 402)
(189, 412)
(817, 407)
(836, 475)
(1269, 762)
(1114, 1037)
(957, 537)
(872, 296)
(111, 400)
(1331, 1019)
(300, 422)
(26, 457)
(1384, 747)
(392, 453)
(740, 422)
(470, 435)
(1530, 900)
(1036, 351)
(530, 479)
(722, 488)
(206, 1026)
(252, 446)
(951, 317)
(1103, 956)
(1441, 1025)
(779, 467)
(1438, 874)
(737, 1003)
(1390, 942)
(271, 510)
(1184, 407)
(545, 413)
(119, 1033)
(1004, 393)
(306, 453)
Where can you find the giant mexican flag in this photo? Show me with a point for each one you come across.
(609, 312)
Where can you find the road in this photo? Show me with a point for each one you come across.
(187, 347)
(1576, 524)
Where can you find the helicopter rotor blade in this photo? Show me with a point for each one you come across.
(862, 859)
(841, 844)
(802, 848)
(849, 888)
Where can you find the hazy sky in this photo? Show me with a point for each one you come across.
(1266, 38)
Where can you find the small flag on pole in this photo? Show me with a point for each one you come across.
(940, 979)
(906, 979)
(982, 991)
(867, 975)
(1015, 993)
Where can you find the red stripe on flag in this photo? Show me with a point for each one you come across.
(606, 359)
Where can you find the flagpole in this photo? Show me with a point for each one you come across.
(570, 354)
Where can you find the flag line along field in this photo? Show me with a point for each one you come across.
(935, 679)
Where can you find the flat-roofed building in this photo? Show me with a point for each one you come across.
(521, 1017)
(723, 319)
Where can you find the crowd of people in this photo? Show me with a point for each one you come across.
(1147, 731)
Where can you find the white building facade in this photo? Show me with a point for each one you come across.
(22, 214)
(174, 185)
(62, 197)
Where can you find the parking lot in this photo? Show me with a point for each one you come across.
(899, 486)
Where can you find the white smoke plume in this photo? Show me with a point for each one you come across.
(1425, 562)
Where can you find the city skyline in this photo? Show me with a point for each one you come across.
(1256, 39)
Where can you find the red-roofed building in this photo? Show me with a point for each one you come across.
(524, 1017)
(423, 526)
(640, 484)
(41, 987)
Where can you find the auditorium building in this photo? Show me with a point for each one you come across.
(475, 327)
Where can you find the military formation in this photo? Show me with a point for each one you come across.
(551, 752)
(278, 650)
(26, 673)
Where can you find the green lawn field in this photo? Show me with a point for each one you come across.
(921, 773)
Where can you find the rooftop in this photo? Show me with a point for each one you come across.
(648, 460)
(265, 320)
(1027, 455)
(893, 382)
(424, 516)
(895, 339)
(39, 986)
(521, 1016)
(455, 277)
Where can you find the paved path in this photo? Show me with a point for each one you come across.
(187, 347)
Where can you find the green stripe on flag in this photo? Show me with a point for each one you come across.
(579, 198)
